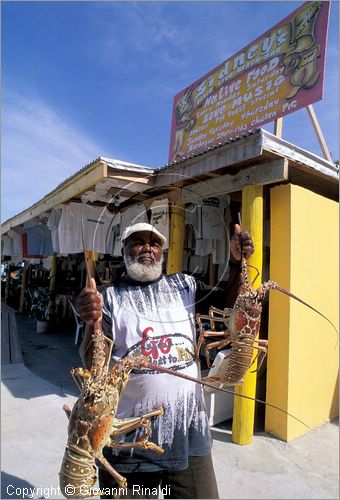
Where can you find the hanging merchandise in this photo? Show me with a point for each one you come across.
(113, 243)
(133, 215)
(193, 217)
(38, 242)
(197, 265)
(6, 245)
(94, 229)
(160, 218)
(16, 242)
(53, 223)
(212, 221)
(207, 224)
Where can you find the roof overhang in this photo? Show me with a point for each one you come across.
(258, 157)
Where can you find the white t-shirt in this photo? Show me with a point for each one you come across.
(158, 320)
(160, 218)
(96, 224)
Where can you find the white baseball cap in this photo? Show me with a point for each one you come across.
(142, 226)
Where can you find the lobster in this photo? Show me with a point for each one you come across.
(92, 421)
(241, 327)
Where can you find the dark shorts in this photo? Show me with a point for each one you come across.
(197, 481)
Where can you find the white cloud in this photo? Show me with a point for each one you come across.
(40, 149)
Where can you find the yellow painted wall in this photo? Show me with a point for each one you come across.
(303, 354)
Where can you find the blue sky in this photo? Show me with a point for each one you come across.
(88, 79)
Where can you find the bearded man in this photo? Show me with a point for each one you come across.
(153, 313)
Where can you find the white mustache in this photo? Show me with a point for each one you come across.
(146, 254)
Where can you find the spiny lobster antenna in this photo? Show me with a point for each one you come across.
(98, 359)
(290, 294)
(295, 297)
(88, 275)
(244, 268)
(240, 224)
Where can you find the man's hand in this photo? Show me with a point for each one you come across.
(241, 244)
(89, 304)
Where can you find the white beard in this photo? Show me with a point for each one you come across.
(142, 272)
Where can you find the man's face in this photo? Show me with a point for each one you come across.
(143, 256)
(144, 247)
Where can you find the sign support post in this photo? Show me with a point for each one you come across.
(319, 134)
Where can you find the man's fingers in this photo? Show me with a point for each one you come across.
(237, 229)
(91, 316)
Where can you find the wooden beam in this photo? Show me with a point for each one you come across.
(132, 184)
(75, 186)
(265, 173)
(318, 132)
(309, 162)
(232, 153)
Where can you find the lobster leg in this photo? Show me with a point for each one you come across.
(143, 443)
(67, 410)
(129, 424)
(260, 356)
(119, 478)
(79, 375)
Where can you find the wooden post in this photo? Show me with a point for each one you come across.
(252, 220)
(51, 315)
(213, 272)
(23, 287)
(7, 285)
(278, 124)
(175, 254)
(319, 133)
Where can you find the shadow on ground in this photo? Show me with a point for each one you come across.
(15, 487)
(50, 355)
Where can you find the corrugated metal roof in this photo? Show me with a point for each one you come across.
(130, 167)
(116, 164)
(278, 146)
(209, 149)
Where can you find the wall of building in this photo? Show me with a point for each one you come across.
(303, 355)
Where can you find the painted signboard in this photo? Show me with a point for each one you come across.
(279, 73)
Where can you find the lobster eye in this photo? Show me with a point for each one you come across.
(253, 312)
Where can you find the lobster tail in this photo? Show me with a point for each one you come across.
(77, 475)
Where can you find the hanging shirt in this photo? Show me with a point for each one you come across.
(7, 245)
(133, 215)
(113, 243)
(39, 240)
(53, 224)
(17, 243)
(95, 227)
(157, 319)
(160, 218)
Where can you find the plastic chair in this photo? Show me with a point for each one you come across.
(79, 322)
